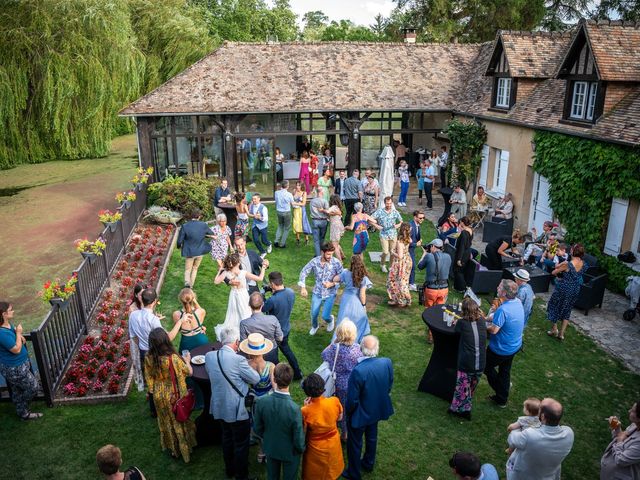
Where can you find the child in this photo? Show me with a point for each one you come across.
(403, 173)
(531, 409)
(561, 254)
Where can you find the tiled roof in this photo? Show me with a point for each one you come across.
(324, 76)
(616, 48)
(534, 54)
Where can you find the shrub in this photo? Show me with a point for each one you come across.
(184, 194)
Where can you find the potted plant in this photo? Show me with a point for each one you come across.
(125, 198)
(90, 250)
(57, 293)
(142, 177)
(109, 219)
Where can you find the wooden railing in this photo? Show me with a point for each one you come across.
(57, 337)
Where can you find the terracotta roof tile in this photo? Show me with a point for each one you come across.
(616, 48)
(534, 54)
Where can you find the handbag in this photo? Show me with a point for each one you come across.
(181, 406)
(329, 374)
(249, 400)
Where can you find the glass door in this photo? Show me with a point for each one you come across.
(256, 157)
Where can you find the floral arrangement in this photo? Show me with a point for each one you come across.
(85, 246)
(142, 176)
(129, 196)
(55, 289)
(101, 364)
(107, 216)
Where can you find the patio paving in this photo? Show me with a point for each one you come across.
(617, 337)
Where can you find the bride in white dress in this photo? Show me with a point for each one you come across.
(238, 307)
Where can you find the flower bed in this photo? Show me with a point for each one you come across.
(101, 364)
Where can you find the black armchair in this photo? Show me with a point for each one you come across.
(591, 291)
(497, 227)
(486, 281)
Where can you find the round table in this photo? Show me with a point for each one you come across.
(208, 429)
(230, 211)
(439, 378)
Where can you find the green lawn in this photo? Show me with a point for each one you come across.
(414, 444)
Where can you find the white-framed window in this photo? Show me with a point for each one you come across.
(583, 100)
(501, 171)
(484, 166)
(503, 92)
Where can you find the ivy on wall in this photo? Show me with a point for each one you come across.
(467, 138)
(584, 176)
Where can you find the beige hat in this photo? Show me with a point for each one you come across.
(522, 274)
(256, 344)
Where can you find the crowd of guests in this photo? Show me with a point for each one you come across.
(250, 387)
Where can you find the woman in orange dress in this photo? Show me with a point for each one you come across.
(322, 459)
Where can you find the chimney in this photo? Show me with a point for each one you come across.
(409, 35)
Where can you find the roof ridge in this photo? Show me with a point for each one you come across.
(612, 23)
(347, 42)
(537, 33)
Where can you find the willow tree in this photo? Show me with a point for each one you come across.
(66, 67)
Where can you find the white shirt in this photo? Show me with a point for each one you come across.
(141, 322)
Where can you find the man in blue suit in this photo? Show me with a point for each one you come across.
(416, 241)
(368, 402)
(192, 242)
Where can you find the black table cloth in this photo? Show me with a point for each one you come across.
(229, 210)
(539, 279)
(439, 378)
(208, 430)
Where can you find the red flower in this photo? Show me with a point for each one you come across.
(97, 386)
(69, 389)
(82, 390)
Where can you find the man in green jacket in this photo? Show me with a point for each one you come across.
(278, 420)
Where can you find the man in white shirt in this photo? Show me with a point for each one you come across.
(284, 199)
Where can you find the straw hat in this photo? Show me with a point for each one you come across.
(522, 274)
(256, 344)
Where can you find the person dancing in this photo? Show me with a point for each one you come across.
(398, 280)
(336, 229)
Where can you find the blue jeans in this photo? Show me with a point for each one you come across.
(257, 235)
(316, 302)
(318, 230)
(404, 189)
(354, 449)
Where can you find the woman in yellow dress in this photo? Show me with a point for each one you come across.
(300, 222)
(322, 459)
(179, 437)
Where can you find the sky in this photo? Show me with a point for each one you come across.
(361, 12)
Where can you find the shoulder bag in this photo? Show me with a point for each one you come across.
(248, 399)
(181, 406)
(329, 374)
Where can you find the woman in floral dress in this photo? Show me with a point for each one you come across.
(359, 225)
(347, 358)
(336, 228)
(398, 281)
(566, 292)
(300, 221)
(179, 437)
(242, 224)
(313, 164)
(221, 241)
(371, 193)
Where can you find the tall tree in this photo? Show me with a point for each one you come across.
(468, 20)
(346, 30)
(618, 9)
(315, 19)
(560, 14)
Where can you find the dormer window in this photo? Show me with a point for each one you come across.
(583, 100)
(503, 93)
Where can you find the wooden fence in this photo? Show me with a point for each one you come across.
(55, 340)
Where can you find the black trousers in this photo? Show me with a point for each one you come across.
(463, 276)
(235, 448)
(428, 187)
(348, 205)
(498, 372)
(290, 356)
(494, 260)
(443, 177)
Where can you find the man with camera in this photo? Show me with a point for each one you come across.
(280, 305)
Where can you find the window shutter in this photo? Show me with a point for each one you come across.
(615, 230)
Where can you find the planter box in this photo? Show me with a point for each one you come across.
(111, 225)
(61, 303)
(91, 256)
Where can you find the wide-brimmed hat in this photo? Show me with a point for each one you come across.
(436, 242)
(522, 274)
(256, 344)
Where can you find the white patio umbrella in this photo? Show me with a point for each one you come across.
(387, 163)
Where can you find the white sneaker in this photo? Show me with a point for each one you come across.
(384, 268)
(269, 248)
(313, 330)
(413, 287)
(331, 324)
